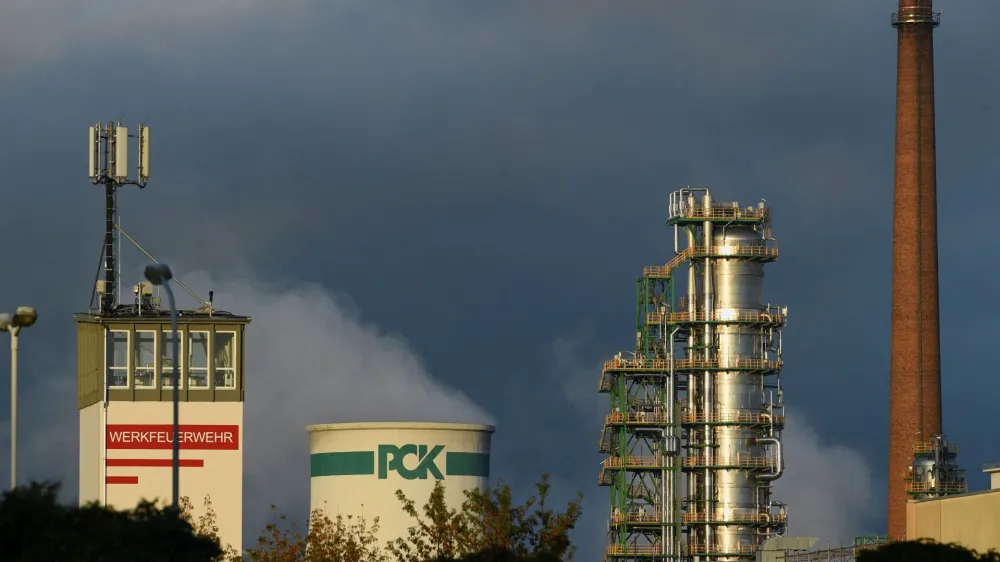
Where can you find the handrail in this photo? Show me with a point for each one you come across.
(715, 316)
(739, 548)
(633, 549)
(647, 549)
(723, 251)
(732, 417)
(719, 212)
(738, 461)
(754, 250)
(916, 14)
(721, 517)
(734, 363)
(930, 446)
(636, 417)
(618, 463)
(637, 517)
(664, 270)
(944, 487)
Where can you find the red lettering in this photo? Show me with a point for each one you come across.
(161, 436)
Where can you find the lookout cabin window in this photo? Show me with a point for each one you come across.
(225, 359)
(117, 357)
(198, 360)
(167, 358)
(145, 359)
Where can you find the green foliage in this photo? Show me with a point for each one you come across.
(488, 527)
(206, 526)
(925, 550)
(343, 539)
(34, 527)
(442, 534)
(530, 529)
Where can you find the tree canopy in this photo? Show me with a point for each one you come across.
(35, 527)
(487, 527)
(925, 550)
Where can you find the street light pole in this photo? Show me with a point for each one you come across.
(159, 274)
(177, 399)
(23, 317)
(14, 330)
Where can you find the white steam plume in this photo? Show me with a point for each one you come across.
(310, 360)
(828, 487)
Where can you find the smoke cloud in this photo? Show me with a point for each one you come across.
(828, 487)
(312, 359)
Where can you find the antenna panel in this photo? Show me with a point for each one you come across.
(121, 153)
(143, 153)
(93, 141)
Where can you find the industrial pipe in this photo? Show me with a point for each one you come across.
(669, 344)
(779, 462)
(708, 394)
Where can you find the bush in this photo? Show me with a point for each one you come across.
(925, 550)
(34, 527)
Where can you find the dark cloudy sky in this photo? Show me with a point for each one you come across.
(469, 189)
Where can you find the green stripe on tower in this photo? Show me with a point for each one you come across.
(342, 464)
(467, 464)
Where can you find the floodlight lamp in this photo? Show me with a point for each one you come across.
(5, 322)
(158, 273)
(25, 316)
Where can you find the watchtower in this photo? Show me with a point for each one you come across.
(125, 360)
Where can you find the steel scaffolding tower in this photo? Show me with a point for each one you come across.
(693, 436)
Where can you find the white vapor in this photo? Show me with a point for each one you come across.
(310, 360)
(827, 486)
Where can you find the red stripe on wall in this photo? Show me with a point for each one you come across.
(185, 463)
(122, 479)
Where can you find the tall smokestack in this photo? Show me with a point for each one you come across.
(915, 371)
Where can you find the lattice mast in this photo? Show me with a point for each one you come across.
(108, 159)
(693, 436)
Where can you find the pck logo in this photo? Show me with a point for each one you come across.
(426, 461)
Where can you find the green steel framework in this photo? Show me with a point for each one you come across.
(631, 435)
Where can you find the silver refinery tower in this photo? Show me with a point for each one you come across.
(693, 436)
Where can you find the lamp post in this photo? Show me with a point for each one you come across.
(23, 317)
(159, 274)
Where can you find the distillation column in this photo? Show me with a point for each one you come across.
(693, 436)
(734, 416)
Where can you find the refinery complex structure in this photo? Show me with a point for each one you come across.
(693, 435)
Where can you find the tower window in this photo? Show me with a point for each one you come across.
(167, 358)
(145, 359)
(225, 359)
(198, 360)
(117, 354)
